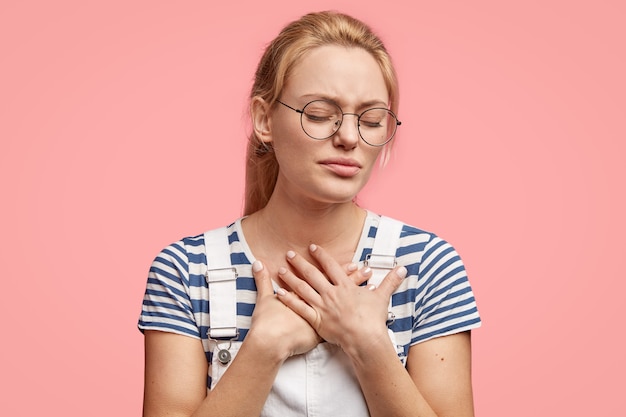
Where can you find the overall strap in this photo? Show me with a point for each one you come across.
(383, 256)
(221, 279)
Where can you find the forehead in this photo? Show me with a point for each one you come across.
(348, 74)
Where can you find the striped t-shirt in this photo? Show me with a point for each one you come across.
(435, 299)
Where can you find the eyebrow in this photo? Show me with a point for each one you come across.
(334, 100)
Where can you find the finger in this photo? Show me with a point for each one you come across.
(350, 268)
(361, 275)
(308, 271)
(262, 279)
(392, 281)
(329, 265)
(299, 306)
(299, 286)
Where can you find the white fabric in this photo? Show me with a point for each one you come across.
(383, 256)
(222, 281)
(319, 383)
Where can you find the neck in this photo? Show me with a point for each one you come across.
(282, 226)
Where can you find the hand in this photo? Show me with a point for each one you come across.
(275, 325)
(340, 311)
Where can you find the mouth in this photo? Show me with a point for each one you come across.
(342, 167)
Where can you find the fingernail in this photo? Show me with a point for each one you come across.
(367, 271)
(282, 270)
(401, 272)
(313, 247)
(257, 266)
(352, 267)
(371, 287)
(280, 291)
(291, 254)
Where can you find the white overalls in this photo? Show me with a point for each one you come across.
(320, 382)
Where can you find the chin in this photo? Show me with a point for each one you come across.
(340, 196)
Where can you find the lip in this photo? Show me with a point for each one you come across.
(343, 167)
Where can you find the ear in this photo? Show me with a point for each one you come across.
(261, 119)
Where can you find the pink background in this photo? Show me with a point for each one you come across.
(123, 129)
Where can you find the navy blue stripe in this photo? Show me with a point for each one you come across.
(239, 258)
(450, 329)
(233, 237)
(402, 324)
(428, 307)
(171, 289)
(245, 309)
(160, 326)
(166, 306)
(366, 252)
(165, 274)
(197, 258)
(161, 314)
(445, 319)
(433, 263)
(196, 280)
(200, 305)
(410, 249)
(194, 241)
(246, 283)
(444, 276)
(432, 286)
(404, 297)
(176, 255)
(437, 291)
(439, 307)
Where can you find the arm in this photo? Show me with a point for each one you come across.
(176, 372)
(438, 382)
(441, 370)
(176, 367)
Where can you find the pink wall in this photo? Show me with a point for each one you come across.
(122, 130)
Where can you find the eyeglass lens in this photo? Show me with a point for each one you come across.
(321, 119)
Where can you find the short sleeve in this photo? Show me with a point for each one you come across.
(445, 303)
(167, 304)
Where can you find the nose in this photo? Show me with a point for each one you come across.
(347, 134)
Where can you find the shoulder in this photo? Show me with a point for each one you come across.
(193, 245)
(411, 239)
(181, 251)
(418, 249)
(407, 229)
(188, 253)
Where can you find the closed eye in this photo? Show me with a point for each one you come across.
(371, 124)
(322, 118)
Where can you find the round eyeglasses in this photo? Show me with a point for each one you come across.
(321, 119)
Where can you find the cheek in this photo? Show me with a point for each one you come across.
(290, 142)
(291, 149)
(286, 132)
(372, 156)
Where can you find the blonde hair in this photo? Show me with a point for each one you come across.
(281, 55)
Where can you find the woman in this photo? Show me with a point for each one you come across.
(310, 304)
